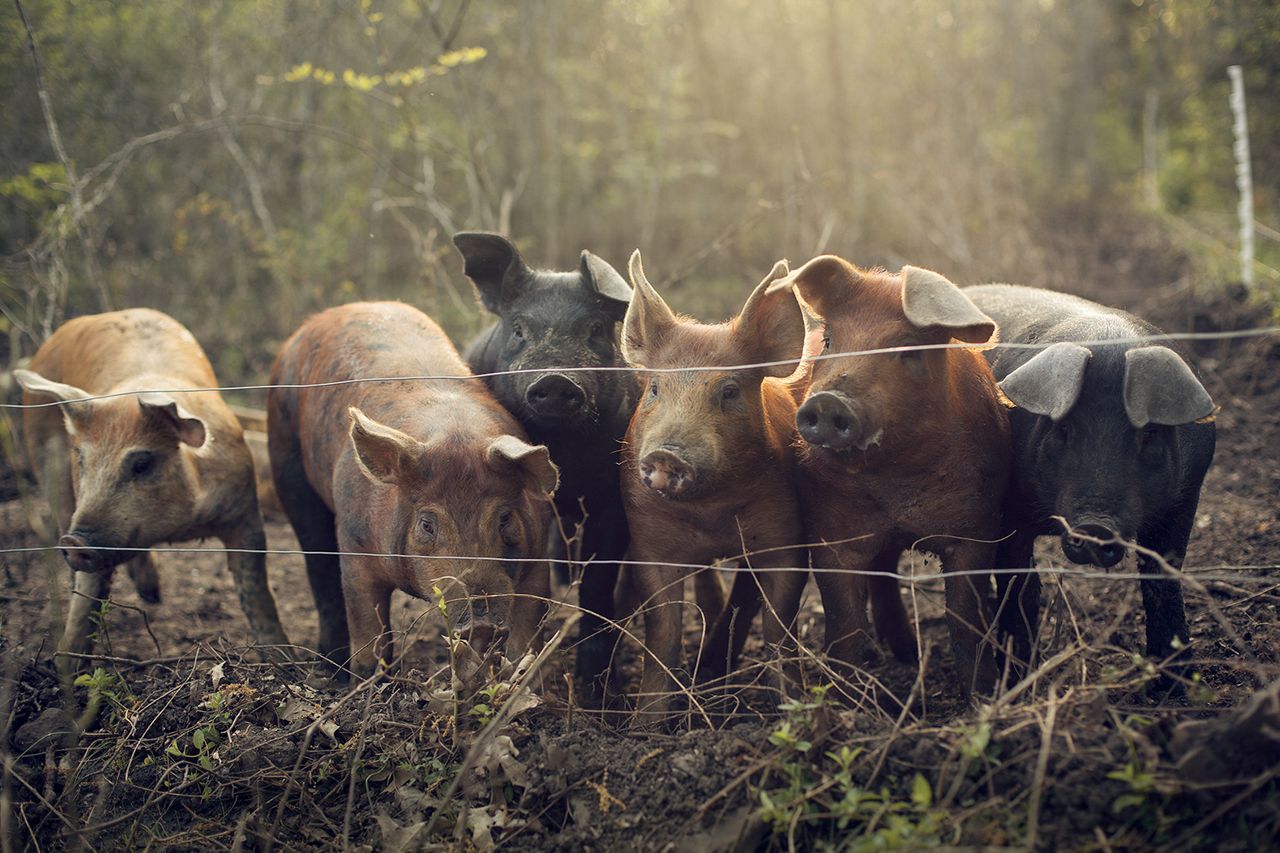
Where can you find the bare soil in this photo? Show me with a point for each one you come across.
(197, 744)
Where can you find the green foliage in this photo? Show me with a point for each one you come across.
(820, 800)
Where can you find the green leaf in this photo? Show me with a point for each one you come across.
(921, 792)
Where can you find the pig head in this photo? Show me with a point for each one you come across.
(471, 508)
(1099, 439)
(133, 470)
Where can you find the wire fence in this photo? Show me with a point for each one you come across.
(1255, 573)
(1261, 331)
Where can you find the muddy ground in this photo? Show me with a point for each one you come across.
(195, 744)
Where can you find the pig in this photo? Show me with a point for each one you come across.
(428, 485)
(708, 474)
(1115, 438)
(900, 450)
(552, 324)
(143, 465)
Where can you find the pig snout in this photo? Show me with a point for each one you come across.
(81, 556)
(1077, 544)
(665, 471)
(830, 419)
(555, 396)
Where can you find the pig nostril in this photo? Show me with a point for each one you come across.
(841, 423)
(808, 419)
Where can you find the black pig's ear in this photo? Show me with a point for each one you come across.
(602, 279)
(1159, 388)
(493, 263)
(931, 300)
(1049, 383)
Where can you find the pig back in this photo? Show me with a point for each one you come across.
(340, 349)
(137, 349)
(1032, 315)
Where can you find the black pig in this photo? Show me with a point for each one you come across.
(1114, 438)
(549, 321)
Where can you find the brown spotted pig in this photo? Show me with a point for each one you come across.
(707, 472)
(901, 450)
(143, 466)
(392, 470)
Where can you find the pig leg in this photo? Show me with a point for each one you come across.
(893, 625)
(725, 640)
(661, 594)
(1018, 596)
(368, 619)
(782, 592)
(966, 615)
(709, 593)
(313, 523)
(89, 589)
(146, 580)
(601, 538)
(246, 544)
(844, 601)
(1162, 592)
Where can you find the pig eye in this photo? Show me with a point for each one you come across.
(653, 388)
(427, 526)
(826, 341)
(1148, 436)
(140, 463)
(730, 392)
(505, 517)
(517, 332)
(596, 329)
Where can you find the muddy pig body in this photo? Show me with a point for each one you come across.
(708, 475)
(900, 450)
(423, 484)
(144, 466)
(550, 321)
(1113, 438)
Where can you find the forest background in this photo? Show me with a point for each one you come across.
(240, 164)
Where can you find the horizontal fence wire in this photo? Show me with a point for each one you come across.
(1224, 573)
(790, 362)
(1202, 573)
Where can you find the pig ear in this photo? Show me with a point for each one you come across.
(648, 318)
(534, 461)
(771, 326)
(382, 452)
(1049, 383)
(1159, 388)
(74, 399)
(166, 410)
(492, 262)
(602, 279)
(823, 282)
(930, 299)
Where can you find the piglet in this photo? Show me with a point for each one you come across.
(901, 450)
(1112, 434)
(148, 464)
(424, 485)
(707, 473)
